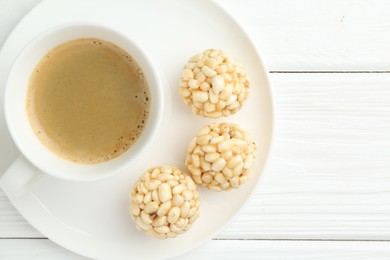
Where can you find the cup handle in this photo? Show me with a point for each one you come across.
(19, 177)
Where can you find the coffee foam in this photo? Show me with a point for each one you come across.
(140, 100)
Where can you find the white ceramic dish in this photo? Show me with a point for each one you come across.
(92, 218)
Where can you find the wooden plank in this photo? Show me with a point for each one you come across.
(290, 250)
(329, 175)
(12, 224)
(317, 35)
(295, 35)
(43, 249)
(31, 249)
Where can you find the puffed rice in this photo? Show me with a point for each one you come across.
(164, 202)
(214, 84)
(221, 156)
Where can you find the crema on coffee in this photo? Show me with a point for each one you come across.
(88, 100)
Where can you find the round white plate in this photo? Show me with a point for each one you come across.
(92, 219)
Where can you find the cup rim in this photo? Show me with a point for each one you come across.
(151, 126)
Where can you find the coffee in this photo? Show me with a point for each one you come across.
(88, 100)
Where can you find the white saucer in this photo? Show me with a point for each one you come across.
(92, 219)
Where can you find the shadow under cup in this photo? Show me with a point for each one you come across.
(15, 103)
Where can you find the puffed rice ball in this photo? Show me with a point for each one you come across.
(214, 84)
(221, 156)
(164, 202)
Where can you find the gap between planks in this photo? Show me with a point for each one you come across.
(242, 239)
(326, 71)
(306, 239)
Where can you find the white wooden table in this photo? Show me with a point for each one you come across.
(326, 193)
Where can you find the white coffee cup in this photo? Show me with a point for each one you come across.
(37, 156)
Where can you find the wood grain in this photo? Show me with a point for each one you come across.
(329, 175)
(317, 35)
(290, 250)
(44, 249)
